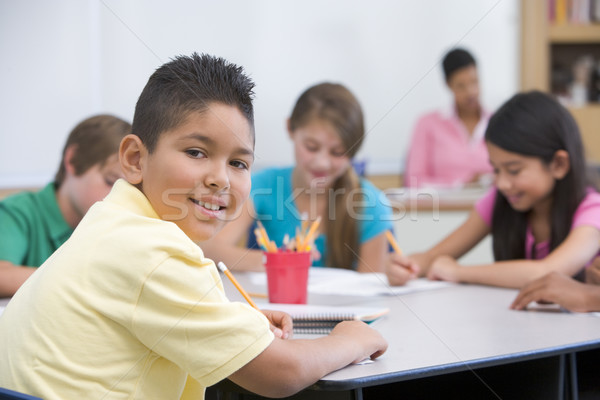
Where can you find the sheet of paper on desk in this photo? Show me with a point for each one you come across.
(337, 281)
(1, 310)
(375, 284)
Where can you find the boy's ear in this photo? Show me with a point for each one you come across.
(132, 156)
(68, 158)
(289, 127)
(561, 164)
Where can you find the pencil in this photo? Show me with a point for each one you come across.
(239, 287)
(311, 232)
(259, 295)
(269, 244)
(392, 241)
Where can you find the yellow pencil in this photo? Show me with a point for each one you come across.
(259, 295)
(270, 245)
(392, 241)
(309, 235)
(239, 287)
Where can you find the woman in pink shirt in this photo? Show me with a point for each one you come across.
(447, 147)
(542, 213)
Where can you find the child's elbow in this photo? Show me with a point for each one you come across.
(274, 377)
(287, 378)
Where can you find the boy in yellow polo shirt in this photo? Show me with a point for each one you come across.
(129, 306)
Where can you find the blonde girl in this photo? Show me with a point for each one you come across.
(327, 129)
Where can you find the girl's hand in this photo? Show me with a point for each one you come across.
(592, 273)
(444, 268)
(281, 323)
(400, 269)
(553, 288)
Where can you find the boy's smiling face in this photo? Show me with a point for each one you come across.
(198, 175)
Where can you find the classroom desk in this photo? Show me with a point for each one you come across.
(464, 339)
(455, 342)
(426, 199)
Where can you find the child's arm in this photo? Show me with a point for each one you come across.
(224, 246)
(562, 290)
(460, 241)
(373, 254)
(287, 366)
(12, 277)
(592, 273)
(568, 258)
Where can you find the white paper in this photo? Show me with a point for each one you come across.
(352, 283)
(337, 281)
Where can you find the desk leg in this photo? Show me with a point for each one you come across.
(562, 376)
(573, 384)
(357, 394)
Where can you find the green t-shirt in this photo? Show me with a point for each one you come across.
(31, 227)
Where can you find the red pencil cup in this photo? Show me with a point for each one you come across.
(287, 276)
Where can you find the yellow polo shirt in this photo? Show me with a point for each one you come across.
(125, 309)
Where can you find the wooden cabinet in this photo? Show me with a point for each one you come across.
(548, 49)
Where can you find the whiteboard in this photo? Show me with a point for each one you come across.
(65, 60)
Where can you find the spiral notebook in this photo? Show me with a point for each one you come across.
(318, 319)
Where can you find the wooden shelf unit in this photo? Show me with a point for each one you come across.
(538, 36)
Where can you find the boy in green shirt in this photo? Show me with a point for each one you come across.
(34, 224)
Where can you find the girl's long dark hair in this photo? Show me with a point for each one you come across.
(534, 124)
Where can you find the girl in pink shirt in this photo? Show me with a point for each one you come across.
(543, 214)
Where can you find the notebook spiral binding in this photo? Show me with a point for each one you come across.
(319, 324)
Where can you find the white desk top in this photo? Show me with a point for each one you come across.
(452, 329)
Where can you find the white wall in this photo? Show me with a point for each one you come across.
(67, 59)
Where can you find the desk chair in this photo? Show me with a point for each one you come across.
(11, 394)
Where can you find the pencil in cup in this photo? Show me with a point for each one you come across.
(306, 243)
(262, 238)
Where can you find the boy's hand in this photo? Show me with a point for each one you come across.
(370, 342)
(553, 288)
(400, 269)
(444, 268)
(592, 273)
(281, 323)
